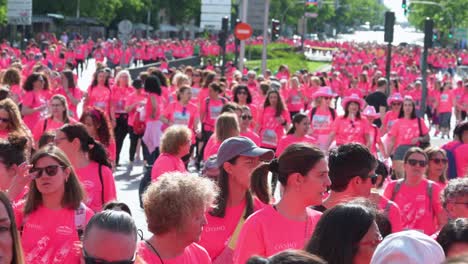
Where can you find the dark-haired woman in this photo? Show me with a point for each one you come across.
(243, 97)
(346, 234)
(303, 172)
(135, 108)
(89, 159)
(71, 92)
(99, 127)
(51, 217)
(58, 116)
(99, 94)
(237, 158)
(350, 127)
(153, 124)
(407, 131)
(297, 133)
(34, 101)
(11, 250)
(14, 171)
(272, 120)
(437, 166)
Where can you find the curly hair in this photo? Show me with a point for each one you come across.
(173, 198)
(101, 122)
(174, 137)
(455, 188)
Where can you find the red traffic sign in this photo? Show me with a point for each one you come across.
(243, 31)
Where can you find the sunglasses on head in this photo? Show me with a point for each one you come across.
(4, 120)
(50, 170)
(246, 117)
(413, 162)
(91, 260)
(439, 161)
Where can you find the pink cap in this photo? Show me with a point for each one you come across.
(353, 98)
(324, 91)
(369, 111)
(396, 97)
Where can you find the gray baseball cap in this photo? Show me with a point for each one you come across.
(241, 146)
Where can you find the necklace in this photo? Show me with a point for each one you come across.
(155, 251)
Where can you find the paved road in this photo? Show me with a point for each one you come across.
(128, 177)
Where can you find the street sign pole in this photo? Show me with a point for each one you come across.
(242, 42)
(428, 27)
(388, 37)
(265, 36)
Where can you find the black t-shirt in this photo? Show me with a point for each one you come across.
(377, 99)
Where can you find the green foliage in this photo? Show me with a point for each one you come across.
(3, 12)
(295, 63)
(442, 16)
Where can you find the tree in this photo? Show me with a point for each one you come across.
(182, 11)
(3, 12)
(451, 14)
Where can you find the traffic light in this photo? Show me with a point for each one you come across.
(275, 29)
(389, 23)
(223, 34)
(428, 32)
(403, 4)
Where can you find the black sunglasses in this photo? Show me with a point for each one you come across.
(373, 178)
(413, 162)
(5, 120)
(439, 161)
(50, 170)
(246, 117)
(91, 260)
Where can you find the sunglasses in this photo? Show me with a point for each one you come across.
(246, 117)
(413, 162)
(395, 104)
(50, 170)
(439, 161)
(91, 260)
(4, 120)
(373, 178)
(242, 92)
(327, 98)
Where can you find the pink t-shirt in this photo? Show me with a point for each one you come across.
(404, 130)
(394, 215)
(347, 131)
(193, 254)
(119, 98)
(252, 135)
(290, 139)
(321, 122)
(100, 96)
(268, 232)
(182, 115)
(389, 119)
(217, 232)
(166, 163)
(132, 99)
(374, 133)
(50, 126)
(414, 205)
(213, 111)
(461, 159)
(75, 92)
(33, 99)
(149, 106)
(96, 195)
(271, 130)
(445, 100)
(212, 147)
(50, 236)
(294, 101)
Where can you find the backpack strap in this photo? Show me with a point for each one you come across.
(102, 183)
(332, 112)
(80, 220)
(396, 189)
(312, 113)
(235, 235)
(387, 207)
(429, 194)
(420, 128)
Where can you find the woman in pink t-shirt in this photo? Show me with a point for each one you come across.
(71, 92)
(417, 197)
(99, 94)
(272, 120)
(322, 116)
(243, 97)
(395, 101)
(51, 218)
(407, 131)
(227, 126)
(297, 133)
(11, 122)
(303, 173)
(153, 110)
(444, 103)
(59, 115)
(176, 229)
(350, 127)
(245, 124)
(34, 101)
(236, 159)
(295, 97)
(91, 163)
(437, 166)
(99, 127)
(376, 141)
(175, 144)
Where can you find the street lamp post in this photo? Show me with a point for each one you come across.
(77, 8)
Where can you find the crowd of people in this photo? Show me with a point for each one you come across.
(281, 167)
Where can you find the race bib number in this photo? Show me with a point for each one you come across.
(181, 118)
(215, 111)
(269, 137)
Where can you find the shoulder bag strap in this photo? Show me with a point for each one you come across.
(235, 235)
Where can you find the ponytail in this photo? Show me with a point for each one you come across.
(258, 260)
(259, 183)
(98, 153)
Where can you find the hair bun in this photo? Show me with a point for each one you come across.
(17, 141)
(274, 166)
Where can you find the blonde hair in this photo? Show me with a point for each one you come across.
(432, 151)
(119, 75)
(174, 197)
(227, 125)
(174, 137)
